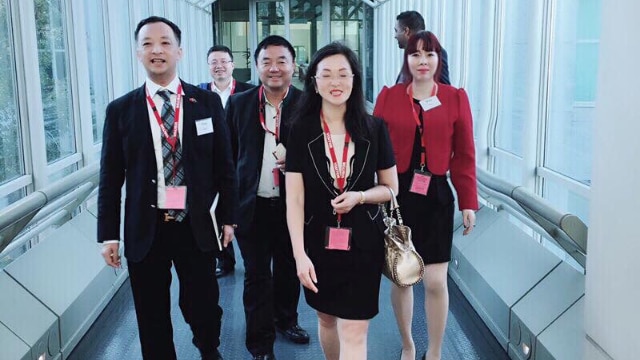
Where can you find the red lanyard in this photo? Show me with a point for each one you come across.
(341, 174)
(262, 110)
(416, 117)
(172, 140)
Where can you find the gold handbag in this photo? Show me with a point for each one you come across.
(403, 265)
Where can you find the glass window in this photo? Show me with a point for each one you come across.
(565, 200)
(122, 46)
(234, 32)
(96, 52)
(367, 59)
(11, 161)
(306, 32)
(572, 88)
(55, 86)
(453, 38)
(270, 18)
(346, 22)
(481, 45)
(517, 103)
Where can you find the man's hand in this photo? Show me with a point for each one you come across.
(227, 235)
(111, 255)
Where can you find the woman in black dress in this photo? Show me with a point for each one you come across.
(334, 153)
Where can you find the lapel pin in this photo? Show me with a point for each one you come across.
(193, 100)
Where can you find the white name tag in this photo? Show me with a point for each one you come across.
(430, 103)
(204, 126)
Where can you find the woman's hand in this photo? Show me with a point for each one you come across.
(468, 220)
(344, 202)
(306, 272)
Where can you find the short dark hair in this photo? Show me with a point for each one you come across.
(274, 40)
(155, 19)
(310, 103)
(220, 48)
(412, 20)
(429, 43)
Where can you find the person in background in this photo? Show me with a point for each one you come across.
(407, 24)
(169, 142)
(438, 118)
(336, 151)
(220, 60)
(260, 119)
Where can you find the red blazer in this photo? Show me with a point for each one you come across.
(448, 136)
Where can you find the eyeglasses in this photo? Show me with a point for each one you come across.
(221, 62)
(338, 77)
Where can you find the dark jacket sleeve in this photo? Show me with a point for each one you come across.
(444, 73)
(112, 172)
(225, 166)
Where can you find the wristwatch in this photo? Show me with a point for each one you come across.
(235, 226)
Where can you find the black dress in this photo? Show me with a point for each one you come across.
(429, 217)
(348, 281)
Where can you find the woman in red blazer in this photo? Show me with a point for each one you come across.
(432, 133)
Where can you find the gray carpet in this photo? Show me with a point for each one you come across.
(114, 334)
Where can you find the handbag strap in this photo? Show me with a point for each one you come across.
(394, 206)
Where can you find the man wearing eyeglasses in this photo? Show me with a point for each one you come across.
(220, 60)
(407, 24)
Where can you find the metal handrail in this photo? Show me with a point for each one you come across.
(19, 215)
(567, 230)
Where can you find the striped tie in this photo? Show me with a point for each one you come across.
(169, 158)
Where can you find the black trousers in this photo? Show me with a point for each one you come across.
(270, 298)
(150, 283)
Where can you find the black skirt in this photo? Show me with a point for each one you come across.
(348, 282)
(430, 217)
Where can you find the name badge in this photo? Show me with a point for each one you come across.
(337, 239)
(175, 197)
(420, 182)
(430, 103)
(204, 126)
(276, 176)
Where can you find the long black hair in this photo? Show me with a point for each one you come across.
(310, 103)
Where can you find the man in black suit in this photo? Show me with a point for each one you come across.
(169, 141)
(407, 24)
(220, 60)
(259, 120)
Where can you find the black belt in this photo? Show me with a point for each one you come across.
(272, 201)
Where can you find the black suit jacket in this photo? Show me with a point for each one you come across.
(242, 86)
(307, 156)
(128, 154)
(247, 141)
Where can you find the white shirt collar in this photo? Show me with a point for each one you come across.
(217, 89)
(153, 87)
